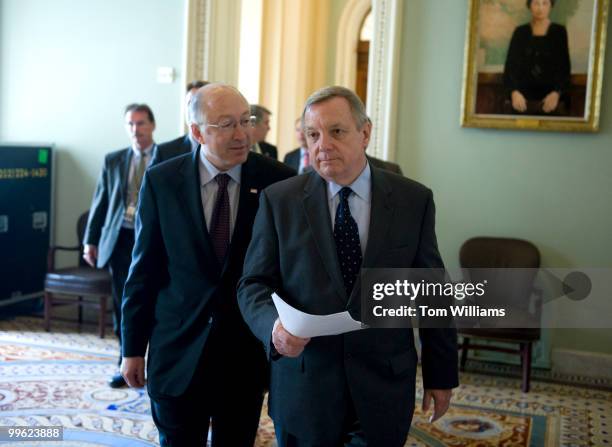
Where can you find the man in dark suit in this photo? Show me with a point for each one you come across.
(193, 227)
(311, 235)
(386, 165)
(109, 235)
(260, 130)
(298, 159)
(185, 143)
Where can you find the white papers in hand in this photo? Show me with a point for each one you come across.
(305, 325)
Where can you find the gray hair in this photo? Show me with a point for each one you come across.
(259, 112)
(336, 91)
(198, 102)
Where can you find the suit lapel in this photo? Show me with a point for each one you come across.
(124, 170)
(189, 190)
(381, 213)
(319, 221)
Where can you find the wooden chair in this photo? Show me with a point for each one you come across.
(500, 253)
(80, 286)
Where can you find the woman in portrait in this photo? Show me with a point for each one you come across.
(537, 70)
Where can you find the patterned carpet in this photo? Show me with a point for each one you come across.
(60, 379)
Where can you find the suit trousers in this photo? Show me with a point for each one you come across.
(220, 395)
(353, 434)
(119, 266)
(354, 438)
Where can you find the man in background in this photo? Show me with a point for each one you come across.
(185, 143)
(261, 129)
(109, 235)
(193, 227)
(298, 158)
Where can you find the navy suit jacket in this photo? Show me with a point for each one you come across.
(292, 159)
(171, 149)
(108, 205)
(268, 150)
(293, 253)
(176, 289)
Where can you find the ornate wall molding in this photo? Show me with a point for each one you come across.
(347, 40)
(196, 39)
(383, 73)
(212, 47)
(383, 66)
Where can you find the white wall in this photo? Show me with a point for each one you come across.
(67, 69)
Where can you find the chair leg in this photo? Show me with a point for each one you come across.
(526, 364)
(80, 314)
(464, 352)
(48, 304)
(102, 317)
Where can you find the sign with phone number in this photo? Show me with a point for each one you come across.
(22, 433)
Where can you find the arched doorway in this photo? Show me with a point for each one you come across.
(363, 55)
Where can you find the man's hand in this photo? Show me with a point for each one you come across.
(551, 101)
(441, 402)
(519, 103)
(132, 370)
(90, 254)
(287, 344)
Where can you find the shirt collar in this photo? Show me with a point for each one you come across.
(361, 186)
(146, 152)
(210, 171)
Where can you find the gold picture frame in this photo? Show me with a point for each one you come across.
(486, 97)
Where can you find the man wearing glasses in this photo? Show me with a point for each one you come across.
(193, 227)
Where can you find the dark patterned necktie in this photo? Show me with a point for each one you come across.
(346, 235)
(220, 222)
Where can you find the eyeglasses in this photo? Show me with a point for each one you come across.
(230, 124)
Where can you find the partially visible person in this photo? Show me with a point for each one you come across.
(386, 165)
(184, 143)
(262, 127)
(193, 227)
(537, 70)
(298, 158)
(109, 235)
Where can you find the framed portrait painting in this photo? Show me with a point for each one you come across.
(534, 64)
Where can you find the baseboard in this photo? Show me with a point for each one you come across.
(580, 363)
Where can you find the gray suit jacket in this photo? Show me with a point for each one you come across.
(293, 253)
(108, 205)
